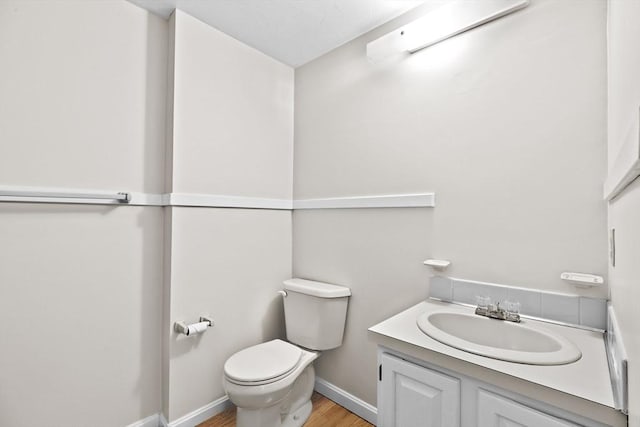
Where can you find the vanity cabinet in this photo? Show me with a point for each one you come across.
(416, 394)
(497, 411)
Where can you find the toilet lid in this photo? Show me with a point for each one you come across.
(262, 362)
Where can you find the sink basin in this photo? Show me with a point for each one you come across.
(498, 339)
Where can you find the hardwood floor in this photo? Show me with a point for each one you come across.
(326, 413)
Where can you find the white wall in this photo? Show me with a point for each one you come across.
(378, 253)
(233, 135)
(624, 105)
(228, 263)
(493, 122)
(83, 95)
(233, 116)
(80, 309)
(81, 105)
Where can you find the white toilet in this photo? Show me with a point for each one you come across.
(271, 383)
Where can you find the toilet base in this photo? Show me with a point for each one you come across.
(271, 417)
(293, 411)
(265, 417)
(298, 418)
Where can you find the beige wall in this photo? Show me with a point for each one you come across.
(523, 98)
(83, 95)
(233, 116)
(378, 253)
(232, 135)
(624, 105)
(82, 87)
(228, 263)
(81, 301)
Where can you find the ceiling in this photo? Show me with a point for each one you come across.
(291, 31)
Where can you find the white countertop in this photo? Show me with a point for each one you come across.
(582, 387)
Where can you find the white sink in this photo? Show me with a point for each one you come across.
(498, 339)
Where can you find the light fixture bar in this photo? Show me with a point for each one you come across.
(455, 17)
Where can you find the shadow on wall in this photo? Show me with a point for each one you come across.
(153, 170)
(150, 308)
(273, 324)
(155, 83)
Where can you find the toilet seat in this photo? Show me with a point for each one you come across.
(263, 363)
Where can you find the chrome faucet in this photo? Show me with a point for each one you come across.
(494, 311)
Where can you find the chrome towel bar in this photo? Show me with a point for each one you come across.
(28, 195)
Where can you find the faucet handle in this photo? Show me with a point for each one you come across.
(512, 307)
(512, 311)
(483, 305)
(483, 302)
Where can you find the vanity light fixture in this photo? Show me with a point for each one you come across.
(455, 17)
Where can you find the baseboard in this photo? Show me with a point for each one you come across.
(151, 421)
(325, 388)
(347, 400)
(201, 414)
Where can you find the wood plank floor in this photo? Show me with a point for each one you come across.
(326, 413)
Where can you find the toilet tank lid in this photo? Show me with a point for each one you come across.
(316, 289)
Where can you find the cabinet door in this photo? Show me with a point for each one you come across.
(413, 396)
(498, 411)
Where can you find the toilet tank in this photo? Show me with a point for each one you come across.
(315, 313)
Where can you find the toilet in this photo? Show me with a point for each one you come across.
(271, 383)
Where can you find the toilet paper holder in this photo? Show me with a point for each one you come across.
(183, 328)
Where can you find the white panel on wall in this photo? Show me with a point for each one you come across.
(231, 145)
(493, 121)
(82, 106)
(507, 125)
(83, 95)
(81, 311)
(228, 263)
(233, 116)
(378, 254)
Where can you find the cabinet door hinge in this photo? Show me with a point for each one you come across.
(380, 372)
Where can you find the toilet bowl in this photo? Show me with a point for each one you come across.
(271, 383)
